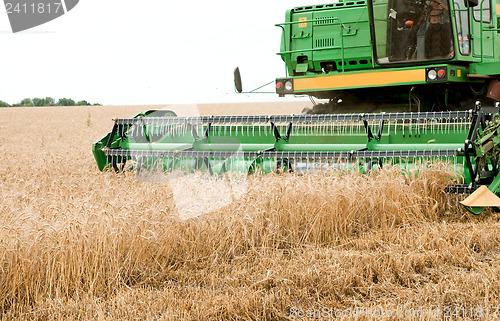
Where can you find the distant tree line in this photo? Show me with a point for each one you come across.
(47, 101)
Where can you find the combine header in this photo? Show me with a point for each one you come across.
(427, 70)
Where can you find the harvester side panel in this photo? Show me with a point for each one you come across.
(332, 38)
(353, 42)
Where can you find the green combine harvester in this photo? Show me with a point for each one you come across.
(408, 82)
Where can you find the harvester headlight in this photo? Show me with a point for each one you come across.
(436, 74)
(432, 74)
(284, 86)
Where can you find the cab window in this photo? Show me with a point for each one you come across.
(485, 7)
(412, 30)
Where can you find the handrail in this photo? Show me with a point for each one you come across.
(284, 42)
(317, 49)
(480, 26)
(281, 25)
(312, 49)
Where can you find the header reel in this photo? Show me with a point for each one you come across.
(467, 140)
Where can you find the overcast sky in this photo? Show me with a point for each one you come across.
(124, 52)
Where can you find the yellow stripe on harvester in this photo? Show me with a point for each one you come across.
(498, 9)
(379, 78)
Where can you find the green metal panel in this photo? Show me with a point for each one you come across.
(338, 34)
(354, 38)
(485, 69)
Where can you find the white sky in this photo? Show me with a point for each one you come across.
(124, 52)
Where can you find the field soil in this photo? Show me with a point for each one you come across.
(80, 244)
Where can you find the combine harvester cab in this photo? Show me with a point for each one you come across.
(427, 103)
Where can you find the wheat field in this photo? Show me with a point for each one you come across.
(79, 244)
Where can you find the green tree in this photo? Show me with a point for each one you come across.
(39, 102)
(49, 101)
(26, 102)
(82, 103)
(66, 102)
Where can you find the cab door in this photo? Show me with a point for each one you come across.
(482, 25)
